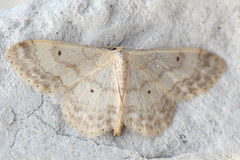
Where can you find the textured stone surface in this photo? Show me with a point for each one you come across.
(33, 126)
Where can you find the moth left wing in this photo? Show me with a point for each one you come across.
(52, 66)
(91, 107)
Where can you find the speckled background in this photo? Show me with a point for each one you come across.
(207, 126)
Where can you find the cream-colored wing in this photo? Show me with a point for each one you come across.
(91, 106)
(183, 72)
(148, 108)
(52, 66)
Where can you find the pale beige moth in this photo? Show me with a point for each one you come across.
(105, 89)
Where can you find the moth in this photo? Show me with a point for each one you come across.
(105, 89)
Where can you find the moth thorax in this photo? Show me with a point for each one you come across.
(121, 69)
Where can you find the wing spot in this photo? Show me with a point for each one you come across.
(28, 80)
(37, 86)
(149, 92)
(59, 53)
(11, 61)
(91, 90)
(49, 91)
(102, 129)
(178, 58)
(20, 73)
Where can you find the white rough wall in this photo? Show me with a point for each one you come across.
(9, 3)
(31, 124)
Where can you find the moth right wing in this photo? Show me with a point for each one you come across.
(148, 108)
(183, 72)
